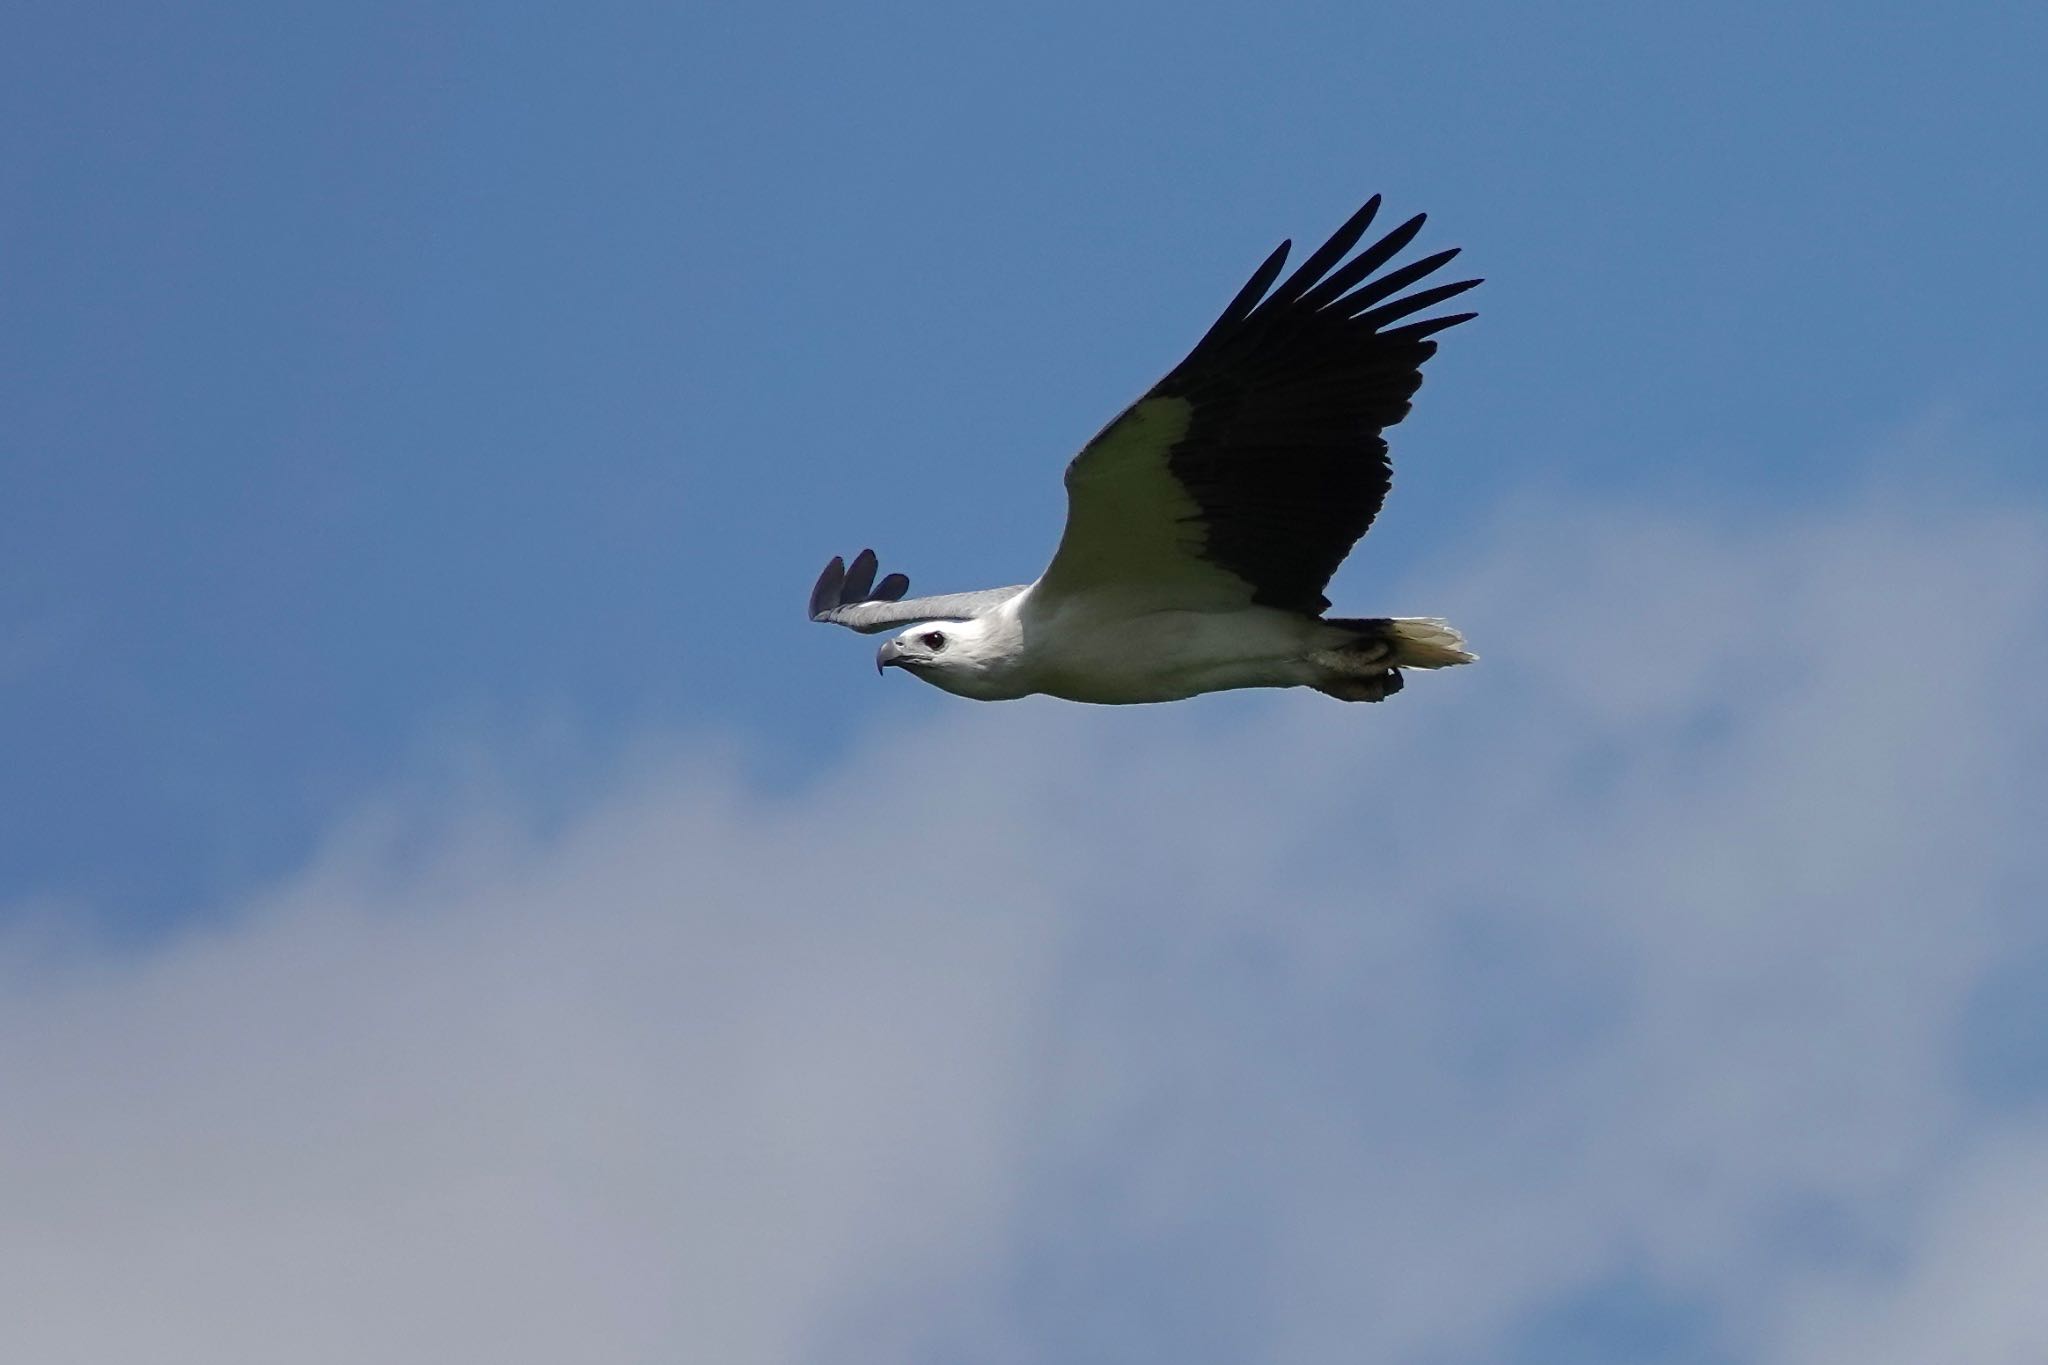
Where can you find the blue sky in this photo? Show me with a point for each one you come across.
(419, 426)
(376, 373)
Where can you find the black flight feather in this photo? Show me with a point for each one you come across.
(1363, 264)
(825, 594)
(1414, 303)
(1326, 255)
(1290, 392)
(1255, 287)
(1356, 302)
(860, 576)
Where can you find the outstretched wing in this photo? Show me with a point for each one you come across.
(1248, 473)
(848, 595)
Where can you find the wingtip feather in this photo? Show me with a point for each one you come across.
(849, 585)
(1325, 257)
(1376, 318)
(1246, 300)
(825, 594)
(860, 576)
(1362, 265)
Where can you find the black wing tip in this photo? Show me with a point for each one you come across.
(1323, 259)
(1246, 300)
(1377, 319)
(860, 576)
(1327, 283)
(1419, 334)
(825, 592)
(849, 585)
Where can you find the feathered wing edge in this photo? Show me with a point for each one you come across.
(848, 595)
(1320, 285)
(1293, 388)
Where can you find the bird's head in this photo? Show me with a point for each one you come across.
(963, 657)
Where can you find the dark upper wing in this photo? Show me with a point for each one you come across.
(1248, 473)
(848, 595)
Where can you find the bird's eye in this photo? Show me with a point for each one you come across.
(934, 640)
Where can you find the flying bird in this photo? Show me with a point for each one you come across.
(1205, 521)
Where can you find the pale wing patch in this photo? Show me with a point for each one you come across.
(1131, 527)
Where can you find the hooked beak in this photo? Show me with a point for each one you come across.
(890, 653)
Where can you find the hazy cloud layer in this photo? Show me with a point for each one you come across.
(1656, 991)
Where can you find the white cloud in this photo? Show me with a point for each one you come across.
(1265, 1029)
(1972, 1287)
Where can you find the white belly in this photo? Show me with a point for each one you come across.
(1167, 655)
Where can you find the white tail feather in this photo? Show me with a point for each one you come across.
(1426, 642)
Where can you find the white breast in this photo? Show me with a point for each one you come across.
(1115, 657)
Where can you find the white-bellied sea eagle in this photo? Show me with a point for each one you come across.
(1204, 522)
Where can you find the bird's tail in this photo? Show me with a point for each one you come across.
(1367, 666)
(1408, 641)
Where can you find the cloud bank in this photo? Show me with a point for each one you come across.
(1661, 990)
